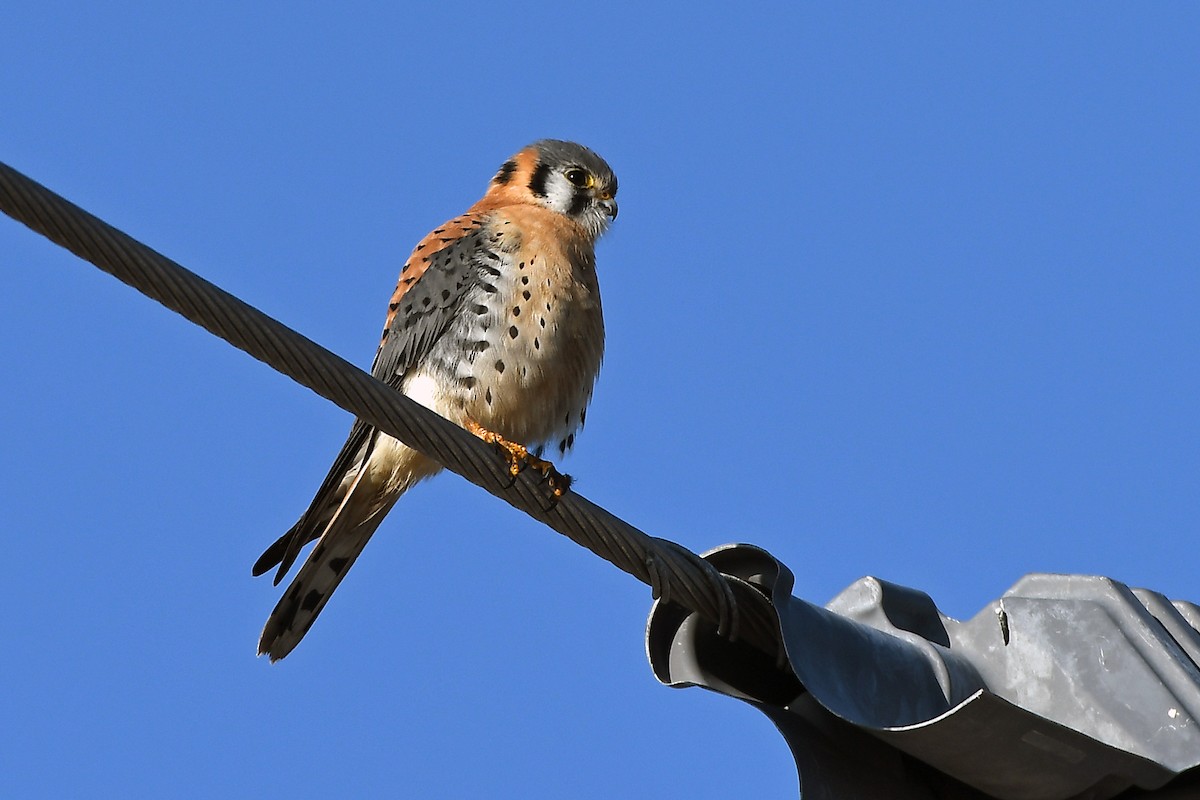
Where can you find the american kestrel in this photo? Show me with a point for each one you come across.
(495, 325)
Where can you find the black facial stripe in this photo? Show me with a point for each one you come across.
(537, 182)
(506, 172)
(579, 201)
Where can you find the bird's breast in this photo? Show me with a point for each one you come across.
(525, 351)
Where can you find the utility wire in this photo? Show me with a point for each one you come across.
(674, 573)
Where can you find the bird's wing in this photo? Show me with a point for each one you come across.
(444, 268)
(324, 504)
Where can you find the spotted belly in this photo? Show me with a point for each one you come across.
(523, 359)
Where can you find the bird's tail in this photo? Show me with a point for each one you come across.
(339, 546)
(356, 496)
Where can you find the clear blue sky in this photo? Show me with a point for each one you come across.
(911, 293)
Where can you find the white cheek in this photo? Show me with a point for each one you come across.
(559, 195)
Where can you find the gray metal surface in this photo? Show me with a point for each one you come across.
(1065, 687)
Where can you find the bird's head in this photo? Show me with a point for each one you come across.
(564, 177)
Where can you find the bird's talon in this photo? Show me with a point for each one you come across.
(519, 459)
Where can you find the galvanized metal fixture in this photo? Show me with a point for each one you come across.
(1068, 686)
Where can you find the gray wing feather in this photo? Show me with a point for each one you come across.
(427, 309)
(285, 549)
(425, 313)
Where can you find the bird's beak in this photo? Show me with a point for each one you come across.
(610, 207)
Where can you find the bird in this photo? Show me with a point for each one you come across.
(495, 324)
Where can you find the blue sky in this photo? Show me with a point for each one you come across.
(898, 291)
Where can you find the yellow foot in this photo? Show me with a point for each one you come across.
(520, 458)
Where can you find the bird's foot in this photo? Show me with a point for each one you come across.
(519, 458)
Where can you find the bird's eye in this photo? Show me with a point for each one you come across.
(579, 177)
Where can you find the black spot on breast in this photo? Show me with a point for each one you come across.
(516, 311)
(537, 181)
(526, 294)
(481, 345)
(445, 295)
(311, 600)
(524, 279)
(488, 287)
(512, 331)
(425, 301)
(467, 382)
(537, 343)
(542, 321)
(479, 308)
(488, 396)
(522, 266)
(499, 366)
